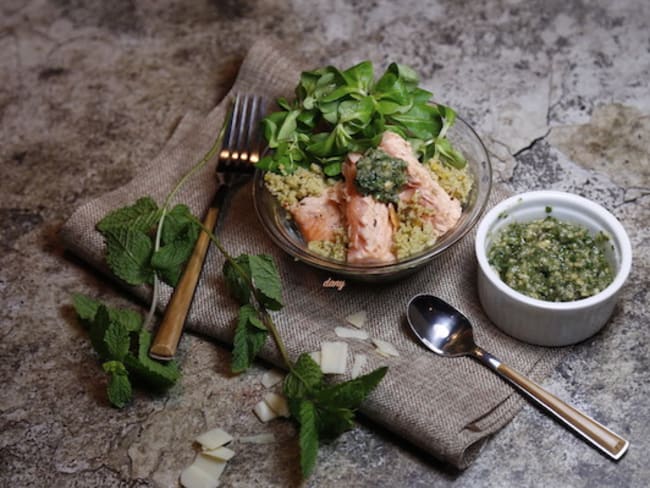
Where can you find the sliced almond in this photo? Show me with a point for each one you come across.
(385, 348)
(358, 319)
(214, 467)
(360, 361)
(266, 438)
(315, 356)
(347, 333)
(333, 357)
(214, 438)
(220, 453)
(195, 477)
(278, 404)
(264, 412)
(272, 378)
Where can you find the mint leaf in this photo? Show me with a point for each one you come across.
(117, 341)
(305, 376)
(152, 373)
(119, 387)
(141, 216)
(128, 254)
(177, 220)
(266, 279)
(87, 307)
(350, 394)
(332, 422)
(179, 236)
(250, 336)
(168, 261)
(308, 437)
(131, 320)
(237, 285)
(109, 332)
(97, 331)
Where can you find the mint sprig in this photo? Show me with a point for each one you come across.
(146, 242)
(322, 410)
(129, 234)
(123, 345)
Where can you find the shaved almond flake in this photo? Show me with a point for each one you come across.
(214, 438)
(278, 404)
(213, 467)
(195, 477)
(315, 356)
(360, 361)
(347, 333)
(358, 319)
(333, 357)
(272, 378)
(264, 412)
(266, 438)
(221, 453)
(385, 348)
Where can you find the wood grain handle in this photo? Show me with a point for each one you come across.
(169, 332)
(603, 438)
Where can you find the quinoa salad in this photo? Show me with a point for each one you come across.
(364, 167)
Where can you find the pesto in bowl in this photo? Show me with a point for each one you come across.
(551, 260)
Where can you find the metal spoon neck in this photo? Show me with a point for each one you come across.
(485, 357)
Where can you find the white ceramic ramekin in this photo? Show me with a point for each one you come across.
(537, 321)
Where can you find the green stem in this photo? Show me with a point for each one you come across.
(216, 145)
(266, 317)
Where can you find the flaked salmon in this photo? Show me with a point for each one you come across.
(320, 218)
(446, 211)
(370, 232)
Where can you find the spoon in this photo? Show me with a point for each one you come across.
(447, 332)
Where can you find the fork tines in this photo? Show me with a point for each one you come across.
(243, 142)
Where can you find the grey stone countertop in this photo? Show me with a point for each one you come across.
(89, 91)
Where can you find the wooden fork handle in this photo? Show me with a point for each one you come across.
(170, 329)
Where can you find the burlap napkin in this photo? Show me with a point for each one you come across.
(446, 406)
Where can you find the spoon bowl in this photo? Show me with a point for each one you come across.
(440, 326)
(447, 332)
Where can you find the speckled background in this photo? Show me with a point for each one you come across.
(89, 91)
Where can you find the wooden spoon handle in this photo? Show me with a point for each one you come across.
(599, 435)
(169, 332)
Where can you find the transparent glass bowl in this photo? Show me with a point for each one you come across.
(283, 231)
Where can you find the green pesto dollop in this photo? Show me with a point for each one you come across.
(380, 175)
(551, 260)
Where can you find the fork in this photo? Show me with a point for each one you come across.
(240, 151)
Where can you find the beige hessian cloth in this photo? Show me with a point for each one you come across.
(447, 407)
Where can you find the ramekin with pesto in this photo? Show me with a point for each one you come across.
(551, 260)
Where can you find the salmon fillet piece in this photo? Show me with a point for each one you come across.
(370, 233)
(446, 211)
(319, 218)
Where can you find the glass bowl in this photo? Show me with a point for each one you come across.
(283, 231)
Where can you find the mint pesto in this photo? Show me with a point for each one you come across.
(551, 260)
(380, 175)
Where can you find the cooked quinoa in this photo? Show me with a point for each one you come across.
(290, 189)
(456, 182)
(336, 249)
(414, 233)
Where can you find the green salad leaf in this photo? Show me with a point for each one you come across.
(336, 112)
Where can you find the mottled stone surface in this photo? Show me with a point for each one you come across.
(90, 90)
